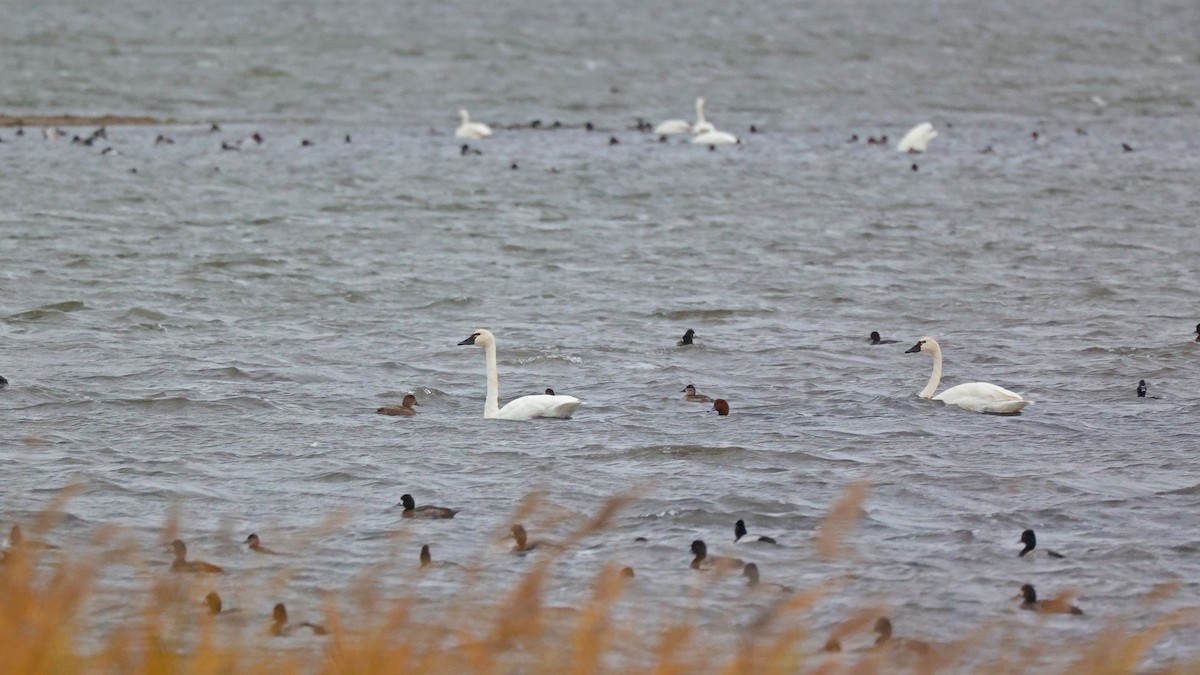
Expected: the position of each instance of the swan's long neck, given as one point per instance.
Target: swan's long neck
(491, 407)
(934, 379)
(464, 116)
(700, 111)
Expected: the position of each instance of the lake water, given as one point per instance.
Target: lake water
(212, 330)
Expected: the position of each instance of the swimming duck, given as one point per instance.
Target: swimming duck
(425, 511)
(1052, 606)
(1030, 541)
(404, 409)
(750, 571)
(213, 602)
(883, 626)
(689, 394)
(721, 406)
(428, 561)
(182, 564)
(523, 544)
(741, 537)
(876, 340)
(687, 338)
(703, 561)
(1141, 389)
(255, 545)
(16, 540)
(280, 625)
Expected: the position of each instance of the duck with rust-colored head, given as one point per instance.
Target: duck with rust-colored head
(255, 544)
(721, 407)
(405, 409)
(182, 564)
(703, 561)
(1029, 600)
(281, 627)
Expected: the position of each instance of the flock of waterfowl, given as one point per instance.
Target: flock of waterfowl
(977, 396)
(982, 397)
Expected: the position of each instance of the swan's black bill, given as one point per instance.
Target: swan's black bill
(470, 340)
(915, 348)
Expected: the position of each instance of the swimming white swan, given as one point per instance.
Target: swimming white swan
(977, 396)
(917, 138)
(702, 126)
(715, 137)
(524, 408)
(673, 127)
(469, 129)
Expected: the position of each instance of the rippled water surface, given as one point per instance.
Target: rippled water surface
(214, 329)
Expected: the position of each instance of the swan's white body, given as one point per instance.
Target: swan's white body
(524, 408)
(975, 396)
(469, 129)
(917, 138)
(715, 137)
(673, 127)
(702, 126)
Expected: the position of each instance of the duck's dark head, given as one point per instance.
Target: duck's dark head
(410, 400)
(690, 389)
(252, 540)
(213, 601)
(549, 391)
(739, 529)
(1028, 594)
(279, 614)
(426, 557)
(750, 571)
(699, 549)
(721, 406)
(875, 338)
(407, 501)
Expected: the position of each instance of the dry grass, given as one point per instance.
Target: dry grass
(43, 627)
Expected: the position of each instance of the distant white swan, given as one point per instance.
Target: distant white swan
(917, 138)
(524, 408)
(715, 137)
(977, 396)
(469, 129)
(702, 126)
(673, 127)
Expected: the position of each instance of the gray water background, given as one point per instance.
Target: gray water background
(214, 330)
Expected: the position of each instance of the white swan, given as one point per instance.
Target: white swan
(715, 137)
(673, 127)
(702, 126)
(524, 408)
(917, 138)
(469, 129)
(977, 396)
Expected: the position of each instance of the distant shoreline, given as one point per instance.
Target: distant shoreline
(81, 120)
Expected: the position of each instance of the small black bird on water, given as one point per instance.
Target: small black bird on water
(1141, 390)
(687, 337)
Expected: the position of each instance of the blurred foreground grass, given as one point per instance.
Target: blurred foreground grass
(44, 628)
